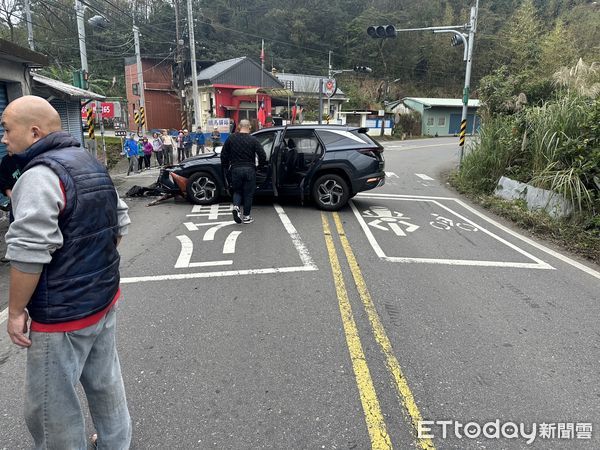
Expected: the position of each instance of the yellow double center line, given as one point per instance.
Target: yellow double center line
(374, 417)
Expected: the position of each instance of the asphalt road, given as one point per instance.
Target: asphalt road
(310, 330)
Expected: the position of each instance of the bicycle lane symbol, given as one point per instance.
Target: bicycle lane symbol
(387, 220)
(443, 223)
(396, 221)
(374, 219)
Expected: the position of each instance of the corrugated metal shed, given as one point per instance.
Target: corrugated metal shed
(65, 90)
(70, 117)
(238, 71)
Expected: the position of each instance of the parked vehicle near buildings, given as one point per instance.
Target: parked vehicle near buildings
(326, 163)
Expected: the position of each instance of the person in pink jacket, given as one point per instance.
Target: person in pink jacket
(147, 147)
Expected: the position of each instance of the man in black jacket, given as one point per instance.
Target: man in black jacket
(239, 154)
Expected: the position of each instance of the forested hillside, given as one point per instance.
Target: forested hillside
(535, 37)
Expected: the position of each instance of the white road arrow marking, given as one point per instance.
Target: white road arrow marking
(391, 175)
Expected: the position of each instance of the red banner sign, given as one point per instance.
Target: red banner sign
(108, 110)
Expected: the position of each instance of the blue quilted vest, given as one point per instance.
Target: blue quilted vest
(83, 276)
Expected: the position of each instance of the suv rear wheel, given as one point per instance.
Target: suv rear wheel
(203, 189)
(330, 192)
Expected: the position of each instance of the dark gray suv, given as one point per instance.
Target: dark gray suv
(328, 163)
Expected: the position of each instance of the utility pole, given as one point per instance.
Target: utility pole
(470, 42)
(320, 100)
(262, 63)
(196, 98)
(79, 11)
(29, 27)
(140, 75)
(180, 66)
(329, 78)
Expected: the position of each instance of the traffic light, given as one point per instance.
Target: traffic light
(382, 31)
(456, 41)
(362, 69)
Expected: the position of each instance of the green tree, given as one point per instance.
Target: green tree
(557, 49)
(521, 38)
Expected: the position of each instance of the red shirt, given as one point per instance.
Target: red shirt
(74, 325)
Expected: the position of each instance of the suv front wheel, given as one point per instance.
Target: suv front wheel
(203, 188)
(330, 192)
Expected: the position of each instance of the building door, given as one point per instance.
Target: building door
(472, 127)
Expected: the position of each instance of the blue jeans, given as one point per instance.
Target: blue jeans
(243, 183)
(56, 362)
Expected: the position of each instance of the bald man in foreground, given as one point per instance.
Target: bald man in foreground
(62, 246)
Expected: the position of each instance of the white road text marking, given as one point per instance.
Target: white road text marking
(187, 249)
(424, 177)
(229, 246)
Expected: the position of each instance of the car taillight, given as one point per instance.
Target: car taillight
(372, 152)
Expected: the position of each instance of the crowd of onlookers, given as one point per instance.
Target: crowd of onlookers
(140, 151)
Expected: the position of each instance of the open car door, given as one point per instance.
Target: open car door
(299, 153)
(265, 174)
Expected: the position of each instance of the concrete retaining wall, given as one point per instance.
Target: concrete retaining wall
(535, 198)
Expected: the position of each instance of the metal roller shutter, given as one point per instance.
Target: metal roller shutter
(70, 117)
(3, 103)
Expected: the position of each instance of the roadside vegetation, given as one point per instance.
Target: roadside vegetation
(114, 147)
(545, 134)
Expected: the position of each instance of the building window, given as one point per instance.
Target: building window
(135, 87)
(430, 121)
(442, 121)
